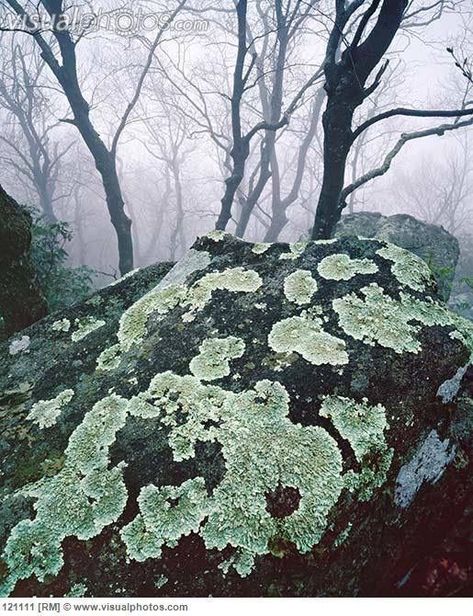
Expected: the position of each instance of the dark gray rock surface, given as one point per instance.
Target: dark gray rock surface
(438, 248)
(262, 421)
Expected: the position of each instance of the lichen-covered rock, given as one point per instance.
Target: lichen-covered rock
(265, 420)
(438, 248)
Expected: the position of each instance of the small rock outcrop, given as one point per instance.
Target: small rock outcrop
(21, 300)
(438, 248)
(266, 420)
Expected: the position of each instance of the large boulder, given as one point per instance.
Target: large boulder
(21, 299)
(270, 420)
(438, 248)
(461, 299)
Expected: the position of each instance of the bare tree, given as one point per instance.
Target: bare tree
(65, 70)
(287, 23)
(440, 192)
(241, 139)
(347, 73)
(21, 95)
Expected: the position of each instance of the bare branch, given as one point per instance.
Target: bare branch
(405, 138)
(139, 86)
(413, 113)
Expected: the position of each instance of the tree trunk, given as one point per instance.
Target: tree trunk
(278, 221)
(45, 199)
(232, 183)
(105, 163)
(255, 194)
(337, 123)
(105, 159)
(21, 300)
(345, 85)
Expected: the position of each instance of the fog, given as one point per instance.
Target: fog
(173, 153)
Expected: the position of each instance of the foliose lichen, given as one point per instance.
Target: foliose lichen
(63, 325)
(45, 413)
(85, 327)
(159, 301)
(110, 358)
(126, 276)
(83, 498)
(343, 536)
(300, 287)
(20, 345)
(77, 590)
(259, 249)
(217, 236)
(235, 280)
(172, 292)
(166, 514)
(296, 251)
(409, 269)
(278, 453)
(305, 335)
(380, 319)
(363, 426)
(213, 361)
(342, 267)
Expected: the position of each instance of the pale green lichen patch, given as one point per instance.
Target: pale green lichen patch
(380, 319)
(129, 274)
(333, 240)
(109, 359)
(342, 267)
(166, 514)
(242, 561)
(77, 590)
(64, 325)
(262, 449)
(213, 362)
(45, 413)
(296, 251)
(235, 280)
(409, 269)
(259, 249)
(363, 426)
(377, 319)
(217, 236)
(305, 335)
(300, 287)
(85, 327)
(158, 301)
(83, 498)
(172, 292)
(343, 536)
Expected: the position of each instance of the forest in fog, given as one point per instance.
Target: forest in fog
(163, 87)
